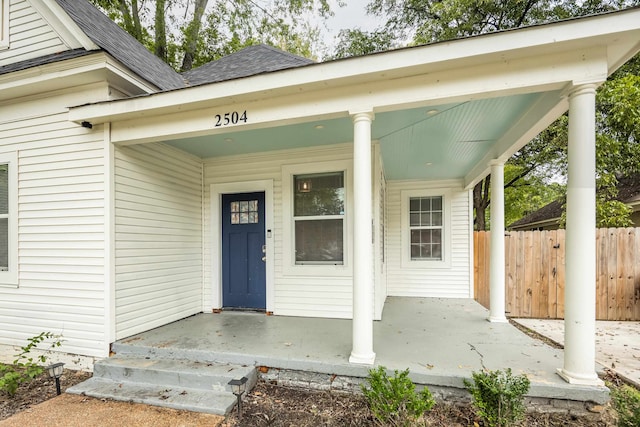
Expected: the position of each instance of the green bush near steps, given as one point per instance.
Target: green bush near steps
(25, 367)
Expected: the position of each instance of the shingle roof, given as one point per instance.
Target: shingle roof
(548, 212)
(250, 61)
(119, 44)
(628, 192)
(42, 60)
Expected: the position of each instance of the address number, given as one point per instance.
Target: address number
(232, 118)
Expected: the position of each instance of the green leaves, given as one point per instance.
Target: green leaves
(393, 400)
(626, 401)
(498, 396)
(24, 367)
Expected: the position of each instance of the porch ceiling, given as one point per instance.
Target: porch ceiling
(433, 143)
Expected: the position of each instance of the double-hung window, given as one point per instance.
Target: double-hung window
(426, 228)
(8, 219)
(319, 218)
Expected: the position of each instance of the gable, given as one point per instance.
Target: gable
(27, 33)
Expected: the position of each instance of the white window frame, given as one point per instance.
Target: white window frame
(4, 24)
(409, 263)
(290, 267)
(10, 277)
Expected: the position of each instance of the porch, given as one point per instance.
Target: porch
(441, 341)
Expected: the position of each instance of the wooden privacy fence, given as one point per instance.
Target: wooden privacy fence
(535, 273)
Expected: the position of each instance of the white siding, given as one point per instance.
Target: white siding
(158, 242)
(452, 281)
(30, 36)
(312, 296)
(61, 203)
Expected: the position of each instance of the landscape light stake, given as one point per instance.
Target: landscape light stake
(238, 387)
(55, 371)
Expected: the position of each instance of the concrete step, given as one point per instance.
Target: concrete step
(172, 383)
(183, 398)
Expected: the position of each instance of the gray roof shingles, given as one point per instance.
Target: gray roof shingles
(628, 192)
(42, 60)
(119, 44)
(109, 37)
(250, 61)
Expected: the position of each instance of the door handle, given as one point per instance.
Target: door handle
(264, 249)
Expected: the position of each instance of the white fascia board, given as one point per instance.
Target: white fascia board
(53, 76)
(526, 75)
(585, 33)
(63, 25)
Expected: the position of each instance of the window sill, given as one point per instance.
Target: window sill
(425, 265)
(317, 270)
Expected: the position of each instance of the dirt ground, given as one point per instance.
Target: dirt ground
(266, 405)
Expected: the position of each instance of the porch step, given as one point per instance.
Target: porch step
(172, 383)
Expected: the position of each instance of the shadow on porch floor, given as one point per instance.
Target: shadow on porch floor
(441, 341)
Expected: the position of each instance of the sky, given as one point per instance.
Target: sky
(353, 15)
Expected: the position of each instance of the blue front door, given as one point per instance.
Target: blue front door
(243, 254)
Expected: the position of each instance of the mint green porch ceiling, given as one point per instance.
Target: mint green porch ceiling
(436, 142)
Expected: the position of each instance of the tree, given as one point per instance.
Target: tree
(189, 34)
(357, 42)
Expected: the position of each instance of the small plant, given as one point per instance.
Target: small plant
(393, 400)
(25, 367)
(498, 396)
(626, 401)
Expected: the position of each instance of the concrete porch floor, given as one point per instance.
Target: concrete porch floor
(441, 341)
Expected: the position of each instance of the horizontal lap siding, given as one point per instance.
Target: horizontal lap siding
(29, 35)
(61, 204)
(436, 282)
(294, 295)
(158, 246)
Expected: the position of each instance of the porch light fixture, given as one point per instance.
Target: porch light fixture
(304, 186)
(318, 127)
(228, 140)
(432, 112)
(55, 371)
(238, 387)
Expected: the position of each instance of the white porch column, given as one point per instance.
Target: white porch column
(496, 268)
(362, 350)
(580, 288)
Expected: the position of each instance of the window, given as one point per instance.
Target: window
(4, 24)
(8, 219)
(244, 212)
(425, 222)
(316, 219)
(318, 215)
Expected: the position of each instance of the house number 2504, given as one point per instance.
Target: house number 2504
(231, 118)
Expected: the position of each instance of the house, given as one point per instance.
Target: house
(548, 216)
(138, 196)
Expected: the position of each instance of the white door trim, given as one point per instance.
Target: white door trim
(217, 190)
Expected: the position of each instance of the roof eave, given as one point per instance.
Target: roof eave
(619, 32)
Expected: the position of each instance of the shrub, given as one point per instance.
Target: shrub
(24, 367)
(393, 400)
(626, 401)
(498, 396)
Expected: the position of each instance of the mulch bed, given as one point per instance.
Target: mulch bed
(37, 391)
(274, 405)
